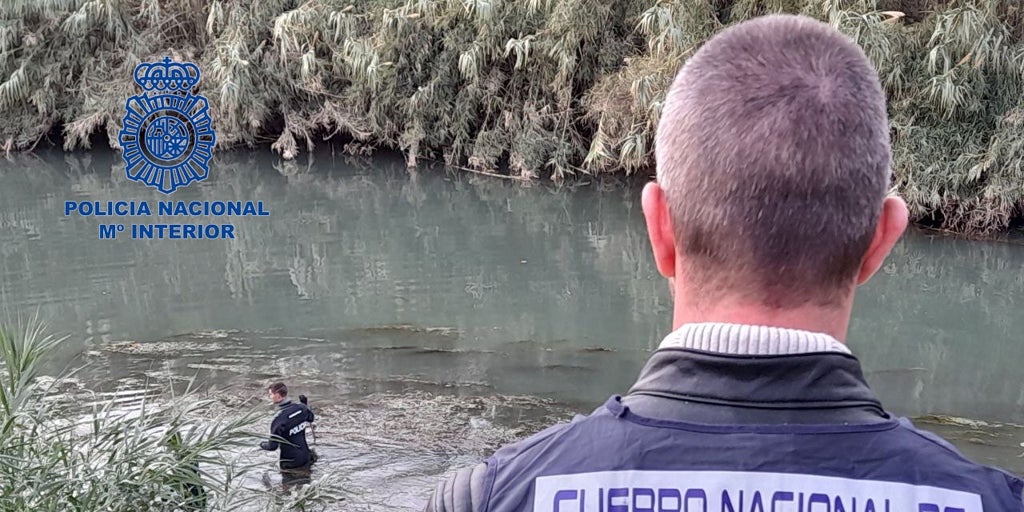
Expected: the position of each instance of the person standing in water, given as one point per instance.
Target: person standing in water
(288, 434)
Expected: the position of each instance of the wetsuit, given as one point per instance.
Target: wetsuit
(290, 424)
(731, 417)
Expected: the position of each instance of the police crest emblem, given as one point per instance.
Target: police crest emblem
(166, 135)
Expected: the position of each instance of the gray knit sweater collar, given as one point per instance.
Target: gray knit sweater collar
(739, 339)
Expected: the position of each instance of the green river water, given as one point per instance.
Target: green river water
(431, 317)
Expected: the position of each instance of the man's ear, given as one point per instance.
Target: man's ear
(891, 225)
(659, 228)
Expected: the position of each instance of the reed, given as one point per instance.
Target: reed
(175, 454)
(541, 88)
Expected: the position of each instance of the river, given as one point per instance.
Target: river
(433, 316)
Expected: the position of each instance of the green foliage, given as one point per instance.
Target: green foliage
(550, 88)
(56, 455)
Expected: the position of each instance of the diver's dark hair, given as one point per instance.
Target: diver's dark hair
(279, 388)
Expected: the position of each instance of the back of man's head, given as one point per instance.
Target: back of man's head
(773, 154)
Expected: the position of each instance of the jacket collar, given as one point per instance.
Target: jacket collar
(816, 380)
(725, 338)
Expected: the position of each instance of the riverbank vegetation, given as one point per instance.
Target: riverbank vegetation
(542, 88)
(174, 454)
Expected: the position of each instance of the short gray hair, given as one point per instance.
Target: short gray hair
(773, 151)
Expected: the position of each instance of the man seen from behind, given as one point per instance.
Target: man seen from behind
(770, 208)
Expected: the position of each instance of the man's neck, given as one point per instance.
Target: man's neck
(833, 321)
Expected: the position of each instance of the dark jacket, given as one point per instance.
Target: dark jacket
(290, 424)
(710, 431)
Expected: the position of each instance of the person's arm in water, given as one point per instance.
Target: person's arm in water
(461, 491)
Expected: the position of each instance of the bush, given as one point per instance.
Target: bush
(551, 88)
